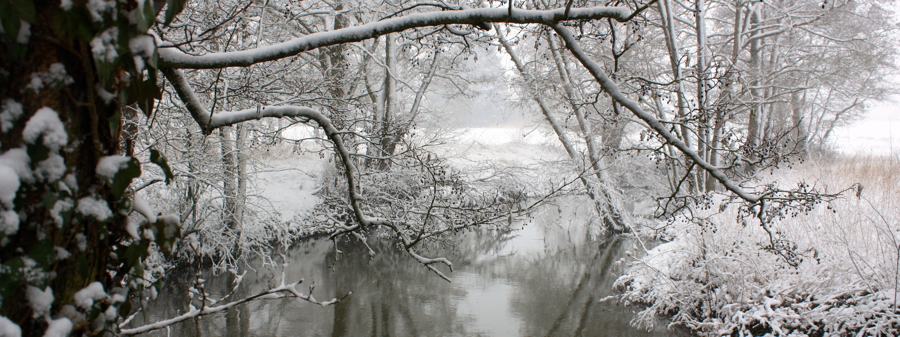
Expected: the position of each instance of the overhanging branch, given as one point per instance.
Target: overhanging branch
(612, 89)
(173, 58)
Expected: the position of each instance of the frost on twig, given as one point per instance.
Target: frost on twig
(282, 291)
(208, 122)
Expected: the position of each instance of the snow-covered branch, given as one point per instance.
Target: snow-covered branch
(173, 58)
(209, 122)
(282, 291)
(612, 89)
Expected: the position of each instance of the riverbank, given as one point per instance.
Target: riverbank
(719, 276)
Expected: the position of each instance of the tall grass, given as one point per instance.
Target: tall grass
(717, 278)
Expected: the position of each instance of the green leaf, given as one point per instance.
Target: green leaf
(37, 152)
(174, 8)
(167, 231)
(115, 121)
(73, 24)
(146, 17)
(134, 254)
(43, 253)
(144, 93)
(124, 176)
(50, 199)
(160, 160)
(22, 10)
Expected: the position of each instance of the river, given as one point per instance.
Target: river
(544, 277)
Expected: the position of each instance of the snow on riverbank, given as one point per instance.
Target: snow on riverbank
(717, 278)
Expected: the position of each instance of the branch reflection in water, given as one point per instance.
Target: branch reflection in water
(545, 277)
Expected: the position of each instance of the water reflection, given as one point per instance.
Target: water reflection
(545, 278)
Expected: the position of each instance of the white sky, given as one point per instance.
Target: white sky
(877, 133)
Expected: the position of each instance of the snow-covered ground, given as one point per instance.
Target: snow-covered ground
(289, 182)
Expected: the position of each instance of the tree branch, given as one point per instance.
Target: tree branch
(612, 89)
(173, 58)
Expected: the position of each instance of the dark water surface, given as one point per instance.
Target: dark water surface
(545, 278)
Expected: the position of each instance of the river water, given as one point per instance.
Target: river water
(544, 277)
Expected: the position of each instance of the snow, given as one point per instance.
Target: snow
(71, 181)
(85, 298)
(18, 160)
(9, 222)
(60, 206)
(36, 83)
(24, 32)
(141, 206)
(132, 228)
(108, 166)
(62, 253)
(50, 169)
(9, 185)
(40, 300)
(10, 111)
(290, 184)
(60, 327)
(81, 241)
(65, 4)
(142, 47)
(46, 122)
(55, 75)
(104, 45)
(8, 328)
(98, 7)
(98, 209)
(172, 223)
(106, 96)
(176, 59)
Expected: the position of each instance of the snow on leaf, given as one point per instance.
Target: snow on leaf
(62, 253)
(40, 300)
(8, 328)
(46, 123)
(9, 222)
(10, 111)
(54, 77)
(60, 327)
(108, 166)
(142, 206)
(81, 241)
(60, 206)
(132, 228)
(119, 171)
(18, 160)
(97, 209)
(104, 45)
(9, 185)
(50, 169)
(85, 298)
(24, 32)
(98, 7)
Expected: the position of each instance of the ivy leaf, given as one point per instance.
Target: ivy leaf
(167, 230)
(115, 121)
(144, 93)
(124, 176)
(160, 160)
(37, 151)
(20, 9)
(174, 8)
(43, 253)
(146, 17)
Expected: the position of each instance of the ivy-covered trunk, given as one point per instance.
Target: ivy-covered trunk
(66, 72)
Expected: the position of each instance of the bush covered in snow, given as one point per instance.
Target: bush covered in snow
(720, 275)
